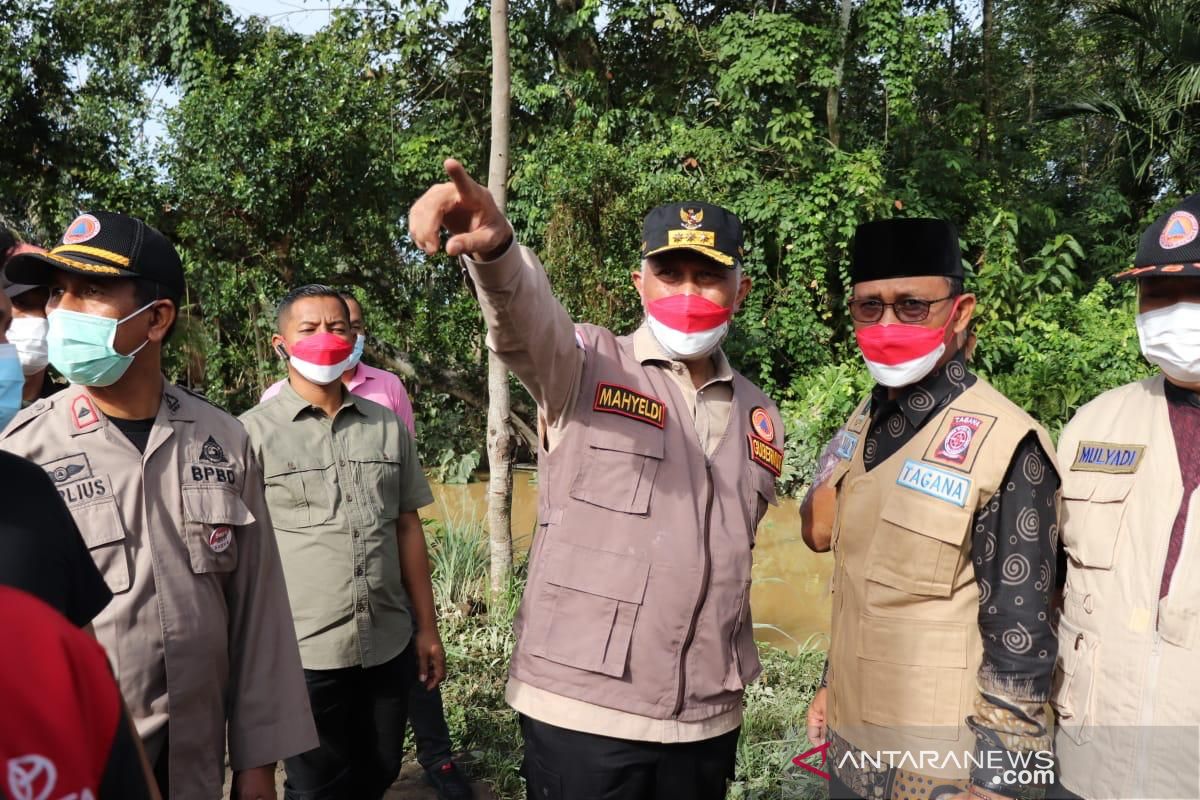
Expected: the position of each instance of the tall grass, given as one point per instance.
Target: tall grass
(479, 645)
(458, 562)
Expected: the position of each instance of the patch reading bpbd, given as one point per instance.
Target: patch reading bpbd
(765, 455)
(614, 399)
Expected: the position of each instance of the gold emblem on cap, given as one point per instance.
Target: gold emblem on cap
(691, 218)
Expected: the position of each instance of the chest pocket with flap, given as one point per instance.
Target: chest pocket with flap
(300, 488)
(104, 534)
(918, 547)
(620, 467)
(211, 518)
(1094, 510)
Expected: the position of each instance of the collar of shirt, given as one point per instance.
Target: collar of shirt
(647, 349)
(295, 405)
(940, 385)
(361, 375)
(1178, 396)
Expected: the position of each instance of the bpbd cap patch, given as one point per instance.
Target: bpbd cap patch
(83, 228)
(1181, 228)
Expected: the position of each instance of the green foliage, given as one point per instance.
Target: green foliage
(458, 562)
(294, 158)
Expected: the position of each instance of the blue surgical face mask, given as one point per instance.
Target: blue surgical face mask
(356, 356)
(12, 381)
(81, 346)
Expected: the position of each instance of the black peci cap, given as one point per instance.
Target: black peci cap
(905, 248)
(102, 244)
(703, 228)
(1170, 247)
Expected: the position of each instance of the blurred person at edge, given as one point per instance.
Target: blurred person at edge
(1125, 695)
(28, 329)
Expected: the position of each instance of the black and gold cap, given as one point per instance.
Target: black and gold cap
(703, 228)
(101, 244)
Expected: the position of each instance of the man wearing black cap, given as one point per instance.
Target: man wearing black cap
(941, 647)
(1126, 695)
(170, 504)
(634, 639)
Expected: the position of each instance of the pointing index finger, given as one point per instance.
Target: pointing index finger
(464, 183)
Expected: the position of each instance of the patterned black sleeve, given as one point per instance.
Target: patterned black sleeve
(1013, 546)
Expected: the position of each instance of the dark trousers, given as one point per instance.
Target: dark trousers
(562, 764)
(360, 714)
(428, 720)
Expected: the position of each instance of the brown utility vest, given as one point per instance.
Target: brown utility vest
(639, 581)
(1127, 678)
(905, 643)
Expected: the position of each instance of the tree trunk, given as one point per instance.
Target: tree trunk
(989, 33)
(833, 95)
(500, 440)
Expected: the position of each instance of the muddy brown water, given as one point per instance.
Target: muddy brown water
(790, 595)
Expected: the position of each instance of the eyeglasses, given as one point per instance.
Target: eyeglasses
(910, 309)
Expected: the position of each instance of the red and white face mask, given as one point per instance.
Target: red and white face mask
(322, 357)
(687, 325)
(901, 354)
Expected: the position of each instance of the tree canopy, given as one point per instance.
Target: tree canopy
(1050, 132)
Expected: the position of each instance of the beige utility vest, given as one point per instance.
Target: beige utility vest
(639, 580)
(1127, 687)
(905, 645)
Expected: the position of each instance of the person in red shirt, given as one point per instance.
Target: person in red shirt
(63, 733)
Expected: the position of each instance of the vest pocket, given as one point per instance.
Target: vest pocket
(918, 545)
(100, 526)
(618, 473)
(210, 519)
(587, 607)
(745, 666)
(1094, 505)
(1073, 681)
(912, 673)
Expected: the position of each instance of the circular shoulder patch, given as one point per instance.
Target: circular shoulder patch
(84, 227)
(1181, 228)
(760, 420)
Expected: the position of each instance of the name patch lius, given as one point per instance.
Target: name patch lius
(765, 455)
(614, 399)
(1108, 457)
(935, 482)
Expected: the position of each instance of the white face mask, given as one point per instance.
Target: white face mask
(1170, 339)
(907, 373)
(680, 346)
(29, 335)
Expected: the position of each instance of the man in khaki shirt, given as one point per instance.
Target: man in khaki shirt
(634, 638)
(344, 484)
(169, 500)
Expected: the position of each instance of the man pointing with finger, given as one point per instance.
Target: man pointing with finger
(657, 461)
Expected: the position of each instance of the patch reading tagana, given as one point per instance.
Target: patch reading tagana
(959, 439)
(765, 455)
(1118, 459)
(935, 482)
(614, 399)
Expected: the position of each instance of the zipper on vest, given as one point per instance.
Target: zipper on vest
(691, 634)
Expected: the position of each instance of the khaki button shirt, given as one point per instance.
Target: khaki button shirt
(335, 489)
(198, 629)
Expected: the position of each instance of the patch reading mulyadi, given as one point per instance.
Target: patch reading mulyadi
(612, 398)
(1117, 459)
(935, 482)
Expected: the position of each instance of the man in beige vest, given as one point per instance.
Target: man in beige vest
(941, 647)
(1126, 687)
(657, 461)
